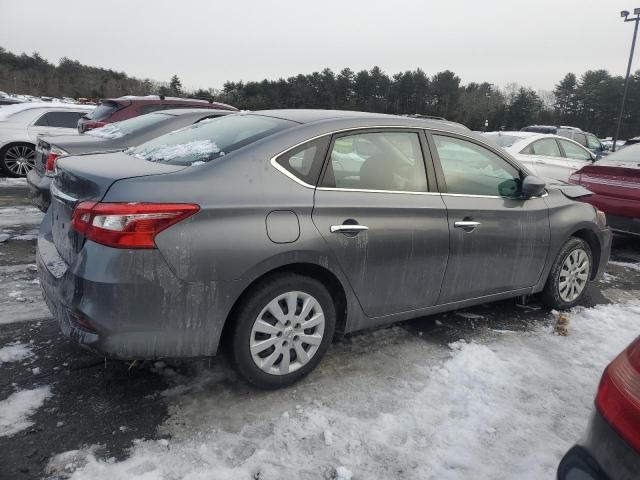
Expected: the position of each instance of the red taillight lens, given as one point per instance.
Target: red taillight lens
(618, 398)
(51, 162)
(128, 225)
(93, 124)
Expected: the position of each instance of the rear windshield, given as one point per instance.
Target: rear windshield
(126, 127)
(209, 139)
(502, 140)
(103, 111)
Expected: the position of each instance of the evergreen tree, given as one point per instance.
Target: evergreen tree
(175, 86)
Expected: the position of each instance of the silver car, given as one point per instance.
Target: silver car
(268, 232)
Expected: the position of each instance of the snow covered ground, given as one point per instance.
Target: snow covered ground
(506, 405)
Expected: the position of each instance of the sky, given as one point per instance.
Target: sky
(532, 43)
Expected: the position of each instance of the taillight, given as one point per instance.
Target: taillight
(128, 225)
(93, 124)
(52, 157)
(618, 398)
(51, 162)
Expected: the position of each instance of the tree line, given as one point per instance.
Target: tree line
(590, 101)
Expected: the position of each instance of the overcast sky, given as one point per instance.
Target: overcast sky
(531, 42)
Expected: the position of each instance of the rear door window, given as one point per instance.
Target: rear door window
(388, 161)
(59, 119)
(593, 143)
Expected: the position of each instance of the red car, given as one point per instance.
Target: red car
(615, 183)
(123, 108)
(610, 449)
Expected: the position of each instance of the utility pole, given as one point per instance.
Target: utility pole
(624, 14)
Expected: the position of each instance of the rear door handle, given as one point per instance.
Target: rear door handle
(348, 228)
(466, 224)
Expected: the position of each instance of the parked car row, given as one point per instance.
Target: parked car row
(21, 124)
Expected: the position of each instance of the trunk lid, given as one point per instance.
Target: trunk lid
(88, 178)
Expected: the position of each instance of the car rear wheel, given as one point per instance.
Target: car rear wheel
(17, 159)
(570, 275)
(282, 330)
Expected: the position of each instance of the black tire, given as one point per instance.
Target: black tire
(21, 145)
(247, 314)
(551, 295)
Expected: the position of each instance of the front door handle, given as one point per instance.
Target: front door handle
(466, 225)
(346, 228)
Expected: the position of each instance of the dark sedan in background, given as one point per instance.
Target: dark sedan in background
(110, 138)
(615, 183)
(266, 232)
(610, 450)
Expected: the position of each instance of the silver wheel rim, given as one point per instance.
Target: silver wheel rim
(287, 333)
(574, 275)
(19, 159)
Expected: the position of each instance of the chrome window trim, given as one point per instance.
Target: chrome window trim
(281, 169)
(364, 190)
(61, 195)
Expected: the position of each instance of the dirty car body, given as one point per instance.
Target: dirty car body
(311, 195)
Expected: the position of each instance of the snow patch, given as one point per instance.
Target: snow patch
(198, 150)
(507, 408)
(16, 410)
(15, 352)
(110, 131)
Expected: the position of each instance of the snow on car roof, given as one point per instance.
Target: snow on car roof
(10, 110)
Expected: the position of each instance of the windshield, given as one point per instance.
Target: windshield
(502, 140)
(629, 154)
(126, 127)
(209, 140)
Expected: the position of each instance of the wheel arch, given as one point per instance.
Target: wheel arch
(318, 272)
(591, 238)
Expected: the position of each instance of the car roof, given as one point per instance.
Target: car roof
(9, 110)
(311, 116)
(184, 111)
(516, 133)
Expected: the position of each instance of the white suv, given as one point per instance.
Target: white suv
(21, 124)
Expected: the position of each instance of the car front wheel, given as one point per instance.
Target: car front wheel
(569, 276)
(282, 330)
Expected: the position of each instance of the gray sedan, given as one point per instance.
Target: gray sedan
(268, 232)
(110, 138)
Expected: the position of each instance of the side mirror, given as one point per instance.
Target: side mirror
(532, 186)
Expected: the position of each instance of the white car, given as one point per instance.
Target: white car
(20, 125)
(550, 156)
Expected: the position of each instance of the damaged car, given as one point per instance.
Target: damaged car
(266, 233)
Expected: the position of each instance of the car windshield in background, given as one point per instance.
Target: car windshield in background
(103, 111)
(502, 140)
(126, 127)
(629, 154)
(209, 140)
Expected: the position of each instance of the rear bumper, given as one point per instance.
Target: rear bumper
(39, 190)
(134, 305)
(601, 455)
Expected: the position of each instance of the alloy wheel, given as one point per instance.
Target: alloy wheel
(574, 275)
(287, 333)
(19, 159)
